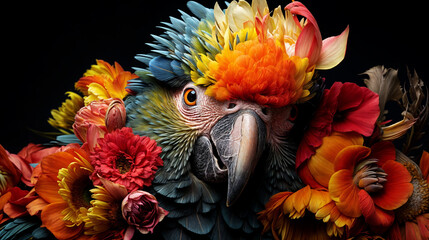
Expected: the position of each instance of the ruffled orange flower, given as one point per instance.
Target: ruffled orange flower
(104, 81)
(261, 72)
(288, 215)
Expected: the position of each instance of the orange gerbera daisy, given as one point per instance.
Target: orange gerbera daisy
(64, 185)
(104, 81)
(288, 215)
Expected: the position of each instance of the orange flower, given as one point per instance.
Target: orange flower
(360, 180)
(261, 72)
(319, 168)
(288, 215)
(104, 81)
(369, 182)
(64, 185)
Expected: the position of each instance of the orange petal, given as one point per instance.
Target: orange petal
(53, 163)
(4, 199)
(302, 199)
(424, 165)
(397, 189)
(325, 211)
(305, 175)
(36, 206)
(378, 219)
(52, 219)
(350, 156)
(345, 193)
(321, 164)
(47, 188)
(319, 198)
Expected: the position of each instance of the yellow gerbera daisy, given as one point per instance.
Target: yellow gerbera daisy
(104, 213)
(75, 187)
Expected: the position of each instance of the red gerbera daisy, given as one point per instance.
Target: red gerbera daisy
(126, 159)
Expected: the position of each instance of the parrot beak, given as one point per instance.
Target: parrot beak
(239, 139)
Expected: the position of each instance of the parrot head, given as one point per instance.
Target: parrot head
(219, 95)
(217, 141)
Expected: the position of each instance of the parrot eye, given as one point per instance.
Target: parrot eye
(190, 97)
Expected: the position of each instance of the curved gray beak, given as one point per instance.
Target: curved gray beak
(240, 140)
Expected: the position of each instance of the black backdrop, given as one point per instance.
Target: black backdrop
(47, 47)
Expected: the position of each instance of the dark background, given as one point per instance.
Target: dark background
(47, 47)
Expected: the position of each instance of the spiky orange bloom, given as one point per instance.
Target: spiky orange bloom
(104, 81)
(261, 72)
(288, 214)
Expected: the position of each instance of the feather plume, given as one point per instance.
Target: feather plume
(416, 103)
(386, 84)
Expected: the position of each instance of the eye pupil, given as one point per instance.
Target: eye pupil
(190, 97)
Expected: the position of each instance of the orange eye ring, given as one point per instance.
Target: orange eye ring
(190, 97)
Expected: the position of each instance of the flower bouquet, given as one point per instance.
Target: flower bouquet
(229, 131)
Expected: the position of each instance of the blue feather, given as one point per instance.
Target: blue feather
(161, 68)
(177, 68)
(198, 10)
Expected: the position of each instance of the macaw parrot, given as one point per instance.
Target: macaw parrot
(229, 95)
(222, 159)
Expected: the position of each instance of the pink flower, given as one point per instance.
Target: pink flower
(141, 211)
(345, 107)
(93, 114)
(97, 119)
(126, 159)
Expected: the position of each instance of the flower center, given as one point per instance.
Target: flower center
(122, 163)
(369, 176)
(80, 194)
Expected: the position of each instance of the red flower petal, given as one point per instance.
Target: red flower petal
(359, 110)
(397, 189)
(378, 219)
(383, 151)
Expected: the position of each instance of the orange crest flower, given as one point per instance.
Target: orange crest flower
(104, 81)
(261, 72)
